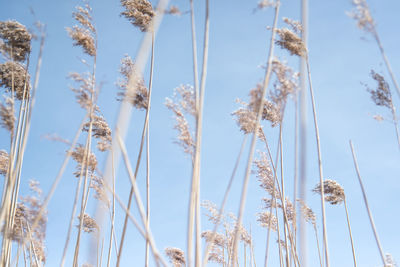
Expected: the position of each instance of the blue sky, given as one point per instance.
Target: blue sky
(341, 57)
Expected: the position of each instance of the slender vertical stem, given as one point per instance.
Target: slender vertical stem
(321, 176)
(303, 135)
(318, 246)
(371, 219)
(351, 236)
(148, 157)
(139, 157)
(254, 137)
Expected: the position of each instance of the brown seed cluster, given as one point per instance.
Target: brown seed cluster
(290, 41)
(334, 193)
(267, 220)
(16, 40)
(176, 256)
(14, 77)
(4, 159)
(362, 15)
(100, 131)
(7, 116)
(79, 155)
(265, 175)
(84, 35)
(308, 213)
(139, 12)
(89, 225)
(138, 96)
(84, 89)
(381, 95)
(27, 211)
(182, 104)
(286, 83)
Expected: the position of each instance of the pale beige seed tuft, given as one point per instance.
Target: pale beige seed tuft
(334, 193)
(4, 159)
(267, 220)
(16, 40)
(100, 131)
(362, 15)
(6, 115)
(139, 12)
(291, 42)
(84, 35)
(176, 256)
(138, 95)
(79, 155)
(13, 76)
(89, 225)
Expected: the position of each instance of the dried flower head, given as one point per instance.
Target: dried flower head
(333, 191)
(81, 156)
(218, 240)
(89, 225)
(4, 159)
(27, 211)
(262, 4)
(216, 255)
(16, 40)
(138, 95)
(294, 24)
(97, 183)
(173, 10)
(389, 261)
(176, 256)
(84, 35)
(101, 131)
(181, 104)
(7, 115)
(362, 15)
(286, 83)
(14, 76)
(267, 220)
(84, 89)
(265, 174)
(291, 42)
(271, 111)
(139, 12)
(307, 212)
(289, 208)
(381, 95)
(213, 213)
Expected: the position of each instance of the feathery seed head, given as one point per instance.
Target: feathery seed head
(6, 115)
(333, 191)
(79, 155)
(362, 15)
(84, 35)
(138, 95)
(4, 159)
(381, 95)
(291, 42)
(181, 104)
(101, 131)
(307, 212)
(16, 40)
(14, 76)
(173, 10)
(219, 239)
(89, 225)
(139, 12)
(267, 220)
(265, 174)
(84, 89)
(176, 256)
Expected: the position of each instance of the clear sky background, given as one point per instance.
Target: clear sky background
(341, 57)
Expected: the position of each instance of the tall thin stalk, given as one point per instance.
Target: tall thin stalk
(139, 157)
(351, 236)
(371, 219)
(254, 137)
(321, 177)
